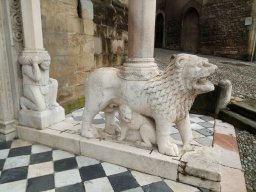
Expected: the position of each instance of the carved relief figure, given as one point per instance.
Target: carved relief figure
(133, 121)
(167, 97)
(39, 91)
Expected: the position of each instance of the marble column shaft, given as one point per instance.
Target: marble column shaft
(140, 65)
(141, 26)
(7, 116)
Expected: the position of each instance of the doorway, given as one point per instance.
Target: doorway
(190, 31)
(159, 31)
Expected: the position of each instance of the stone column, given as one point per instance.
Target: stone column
(7, 116)
(141, 30)
(39, 108)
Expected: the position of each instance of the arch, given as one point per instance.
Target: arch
(160, 29)
(190, 31)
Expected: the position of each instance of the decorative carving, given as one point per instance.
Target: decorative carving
(16, 20)
(39, 91)
(167, 98)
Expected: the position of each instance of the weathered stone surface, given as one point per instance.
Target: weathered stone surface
(195, 181)
(203, 163)
(68, 30)
(43, 119)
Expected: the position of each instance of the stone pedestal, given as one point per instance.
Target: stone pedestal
(41, 120)
(39, 108)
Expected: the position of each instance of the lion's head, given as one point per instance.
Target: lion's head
(194, 73)
(172, 91)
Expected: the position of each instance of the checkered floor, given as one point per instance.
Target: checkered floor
(33, 167)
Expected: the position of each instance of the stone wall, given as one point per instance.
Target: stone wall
(68, 31)
(223, 30)
(111, 36)
(221, 24)
(81, 35)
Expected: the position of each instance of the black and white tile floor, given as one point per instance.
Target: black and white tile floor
(202, 127)
(32, 167)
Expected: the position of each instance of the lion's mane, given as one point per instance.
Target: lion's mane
(167, 94)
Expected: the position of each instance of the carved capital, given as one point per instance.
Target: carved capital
(28, 56)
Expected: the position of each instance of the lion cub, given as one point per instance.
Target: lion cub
(130, 120)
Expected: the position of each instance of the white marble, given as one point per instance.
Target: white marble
(195, 126)
(85, 161)
(53, 138)
(145, 179)
(8, 71)
(40, 169)
(43, 119)
(208, 184)
(111, 169)
(100, 184)
(161, 98)
(36, 148)
(14, 186)
(126, 156)
(20, 143)
(39, 108)
(68, 177)
(59, 154)
(203, 163)
(180, 187)
(18, 161)
(4, 153)
(196, 119)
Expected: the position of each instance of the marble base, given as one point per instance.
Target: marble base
(199, 168)
(41, 120)
(7, 130)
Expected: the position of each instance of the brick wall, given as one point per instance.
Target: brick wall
(223, 31)
(221, 24)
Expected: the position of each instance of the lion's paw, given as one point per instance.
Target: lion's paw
(170, 149)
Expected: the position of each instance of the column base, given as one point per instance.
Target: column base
(139, 69)
(7, 130)
(41, 119)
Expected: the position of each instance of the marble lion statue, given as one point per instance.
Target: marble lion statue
(166, 98)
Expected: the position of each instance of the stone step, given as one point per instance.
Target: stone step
(244, 108)
(200, 168)
(238, 120)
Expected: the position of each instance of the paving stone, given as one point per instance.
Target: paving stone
(205, 132)
(205, 141)
(206, 124)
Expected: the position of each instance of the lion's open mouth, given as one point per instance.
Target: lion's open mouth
(203, 84)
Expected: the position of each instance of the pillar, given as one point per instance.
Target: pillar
(7, 116)
(141, 30)
(39, 108)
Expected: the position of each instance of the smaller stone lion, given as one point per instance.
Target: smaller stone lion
(132, 121)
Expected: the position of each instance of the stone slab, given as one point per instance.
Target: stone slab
(195, 181)
(233, 180)
(151, 162)
(52, 138)
(43, 119)
(131, 157)
(202, 163)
